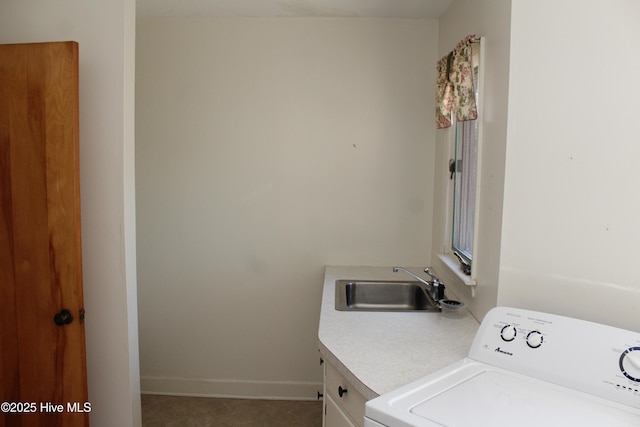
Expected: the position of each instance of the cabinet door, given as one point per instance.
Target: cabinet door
(334, 417)
(42, 344)
(349, 400)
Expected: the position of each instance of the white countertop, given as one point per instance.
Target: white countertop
(380, 351)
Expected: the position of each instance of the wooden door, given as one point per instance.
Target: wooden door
(42, 349)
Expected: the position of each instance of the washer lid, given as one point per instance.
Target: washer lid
(494, 398)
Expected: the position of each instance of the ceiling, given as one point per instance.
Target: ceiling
(422, 9)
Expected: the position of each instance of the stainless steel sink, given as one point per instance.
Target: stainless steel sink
(372, 295)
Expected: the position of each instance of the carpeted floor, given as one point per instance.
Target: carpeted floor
(169, 411)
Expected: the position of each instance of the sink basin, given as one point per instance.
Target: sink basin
(372, 295)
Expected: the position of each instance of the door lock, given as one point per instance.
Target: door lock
(454, 166)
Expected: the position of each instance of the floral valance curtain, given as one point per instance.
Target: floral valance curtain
(454, 91)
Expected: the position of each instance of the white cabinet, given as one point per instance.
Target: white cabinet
(344, 405)
(333, 415)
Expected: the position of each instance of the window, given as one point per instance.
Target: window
(463, 168)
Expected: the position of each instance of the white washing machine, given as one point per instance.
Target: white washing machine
(526, 368)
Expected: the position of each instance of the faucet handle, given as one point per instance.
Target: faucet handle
(436, 283)
(433, 276)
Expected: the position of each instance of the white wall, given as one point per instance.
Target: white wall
(266, 149)
(570, 226)
(105, 33)
(490, 19)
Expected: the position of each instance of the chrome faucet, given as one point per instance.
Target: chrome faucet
(435, 287)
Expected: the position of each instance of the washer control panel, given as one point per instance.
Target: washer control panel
(534, 338)
(585, 356)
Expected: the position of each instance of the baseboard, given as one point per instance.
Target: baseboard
(275, 390)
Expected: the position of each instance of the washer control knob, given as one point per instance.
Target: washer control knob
(630, 363)
(534, 339)
(508, 333)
